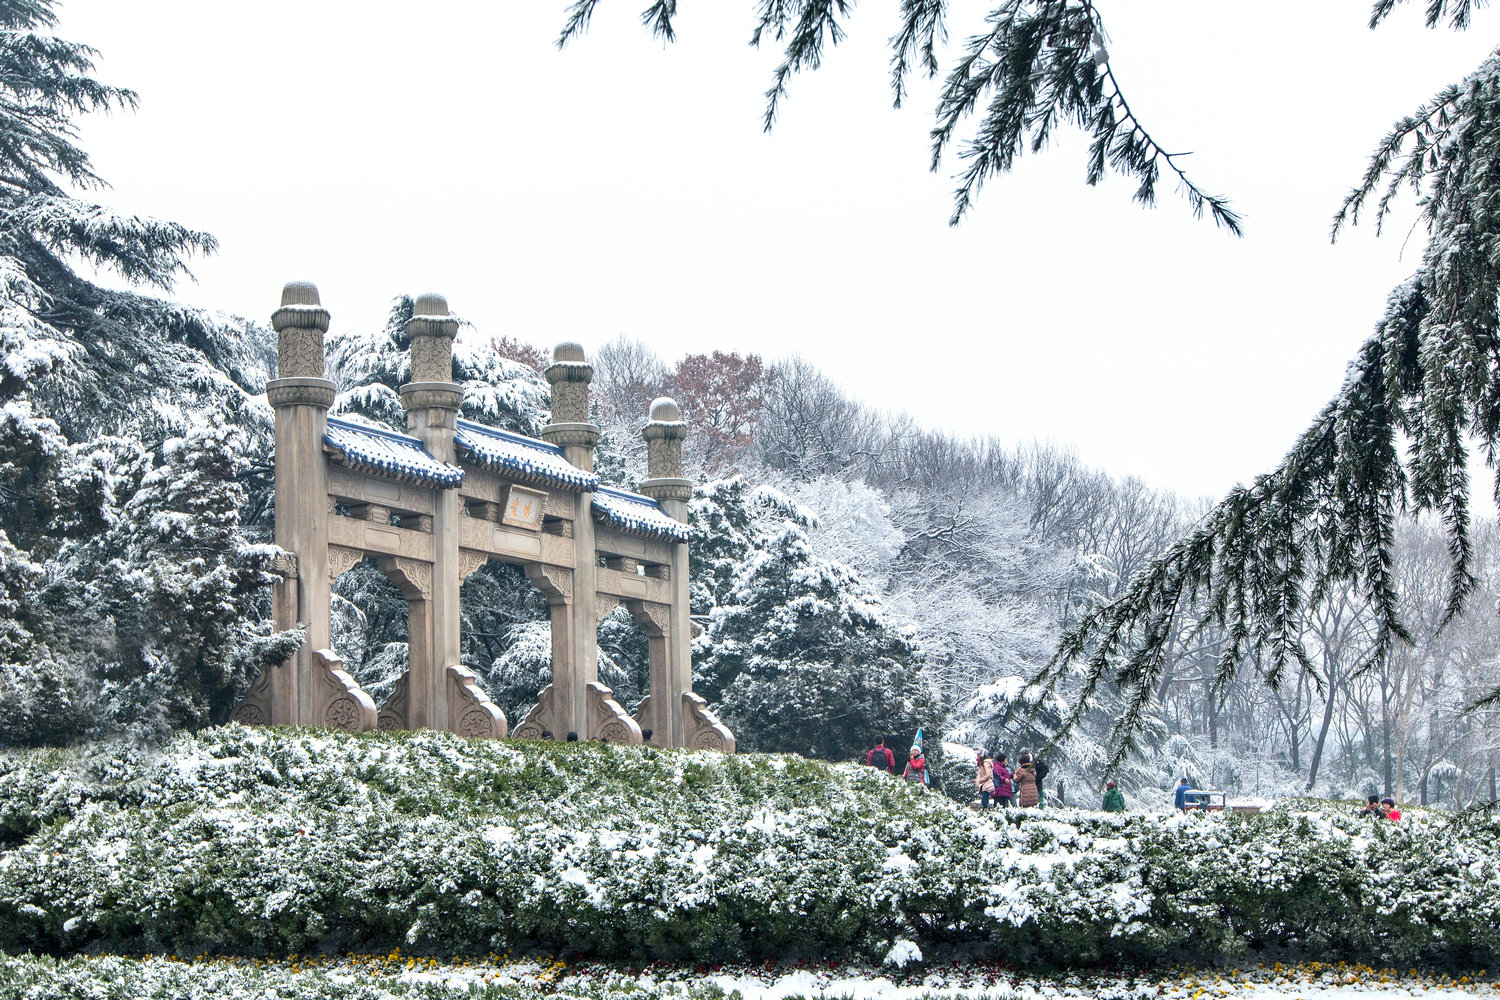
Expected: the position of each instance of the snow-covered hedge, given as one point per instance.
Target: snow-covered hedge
(265, 841)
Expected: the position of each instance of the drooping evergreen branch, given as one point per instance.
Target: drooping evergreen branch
(1325, 519)
(816, 24)
(1458, 11)
(1041, 64)
(922, 31)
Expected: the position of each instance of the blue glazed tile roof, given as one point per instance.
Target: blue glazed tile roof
(521, 458)
(635, 513)
(386, 453)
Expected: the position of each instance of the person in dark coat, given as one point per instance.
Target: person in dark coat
(1114, 799)
(1041, 772)
(1186, 797)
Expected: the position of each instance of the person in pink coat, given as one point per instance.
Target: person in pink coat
(1004, 782)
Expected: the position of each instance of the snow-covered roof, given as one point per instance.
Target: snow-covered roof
(635, 513)
(386, 453)
(522, 458)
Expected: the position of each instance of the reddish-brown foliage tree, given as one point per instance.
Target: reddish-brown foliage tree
(721, 395)
(519, 351)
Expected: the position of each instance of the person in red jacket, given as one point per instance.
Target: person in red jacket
(1388, 807)
(880, 757)
(916, 767)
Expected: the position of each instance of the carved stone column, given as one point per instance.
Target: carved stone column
(560, 702)
(664, 432)
(432, 400)
(655, 714)
(570, 429)
(301, 397)
(410, 704)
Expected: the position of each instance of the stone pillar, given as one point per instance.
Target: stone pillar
(569, 375)
(301, 396)
(432, 400)
(559, 706)
(664, 432)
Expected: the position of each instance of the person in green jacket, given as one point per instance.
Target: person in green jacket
(1114, 799)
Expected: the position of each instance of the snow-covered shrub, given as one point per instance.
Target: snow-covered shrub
(282, 841)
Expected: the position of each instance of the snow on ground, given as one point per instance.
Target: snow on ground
(396, 976)
(833, 981)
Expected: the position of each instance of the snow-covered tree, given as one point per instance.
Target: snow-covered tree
(134, 601)
(799, 654)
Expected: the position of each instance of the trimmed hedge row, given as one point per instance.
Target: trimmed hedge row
(258, 841)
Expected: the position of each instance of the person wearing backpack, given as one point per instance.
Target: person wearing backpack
(984, 780)
(881, 758)
(1004, 783)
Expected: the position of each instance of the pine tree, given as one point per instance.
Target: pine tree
(134, 599)
(97, 359)
(799, 654)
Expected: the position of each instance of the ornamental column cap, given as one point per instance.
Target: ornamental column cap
(430, 317)
(664, 432)
(301, 308)
(431, 331)
(664, 421)
(569, 375)
(569, 364)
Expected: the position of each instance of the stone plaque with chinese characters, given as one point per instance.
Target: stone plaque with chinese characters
(523, 508)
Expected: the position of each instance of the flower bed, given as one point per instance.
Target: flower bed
(273, 842)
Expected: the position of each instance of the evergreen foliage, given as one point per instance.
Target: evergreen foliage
(1039, 65)
(1250, 577)
(799, 653)
(1394, 441)
(134, 596)
(282, 841)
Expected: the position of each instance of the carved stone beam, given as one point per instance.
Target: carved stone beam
(469, 562)
(285, 565)
(411, 576)
(654, 619)
(554, 583)
(341, 560)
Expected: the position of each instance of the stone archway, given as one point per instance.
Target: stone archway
(434, 504)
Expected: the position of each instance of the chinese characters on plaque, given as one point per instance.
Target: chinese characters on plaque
(523, 507)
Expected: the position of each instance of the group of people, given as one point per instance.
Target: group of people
(1378, 808)
(882, 759)
(998, 785)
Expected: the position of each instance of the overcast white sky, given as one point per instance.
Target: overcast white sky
(623, 186)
